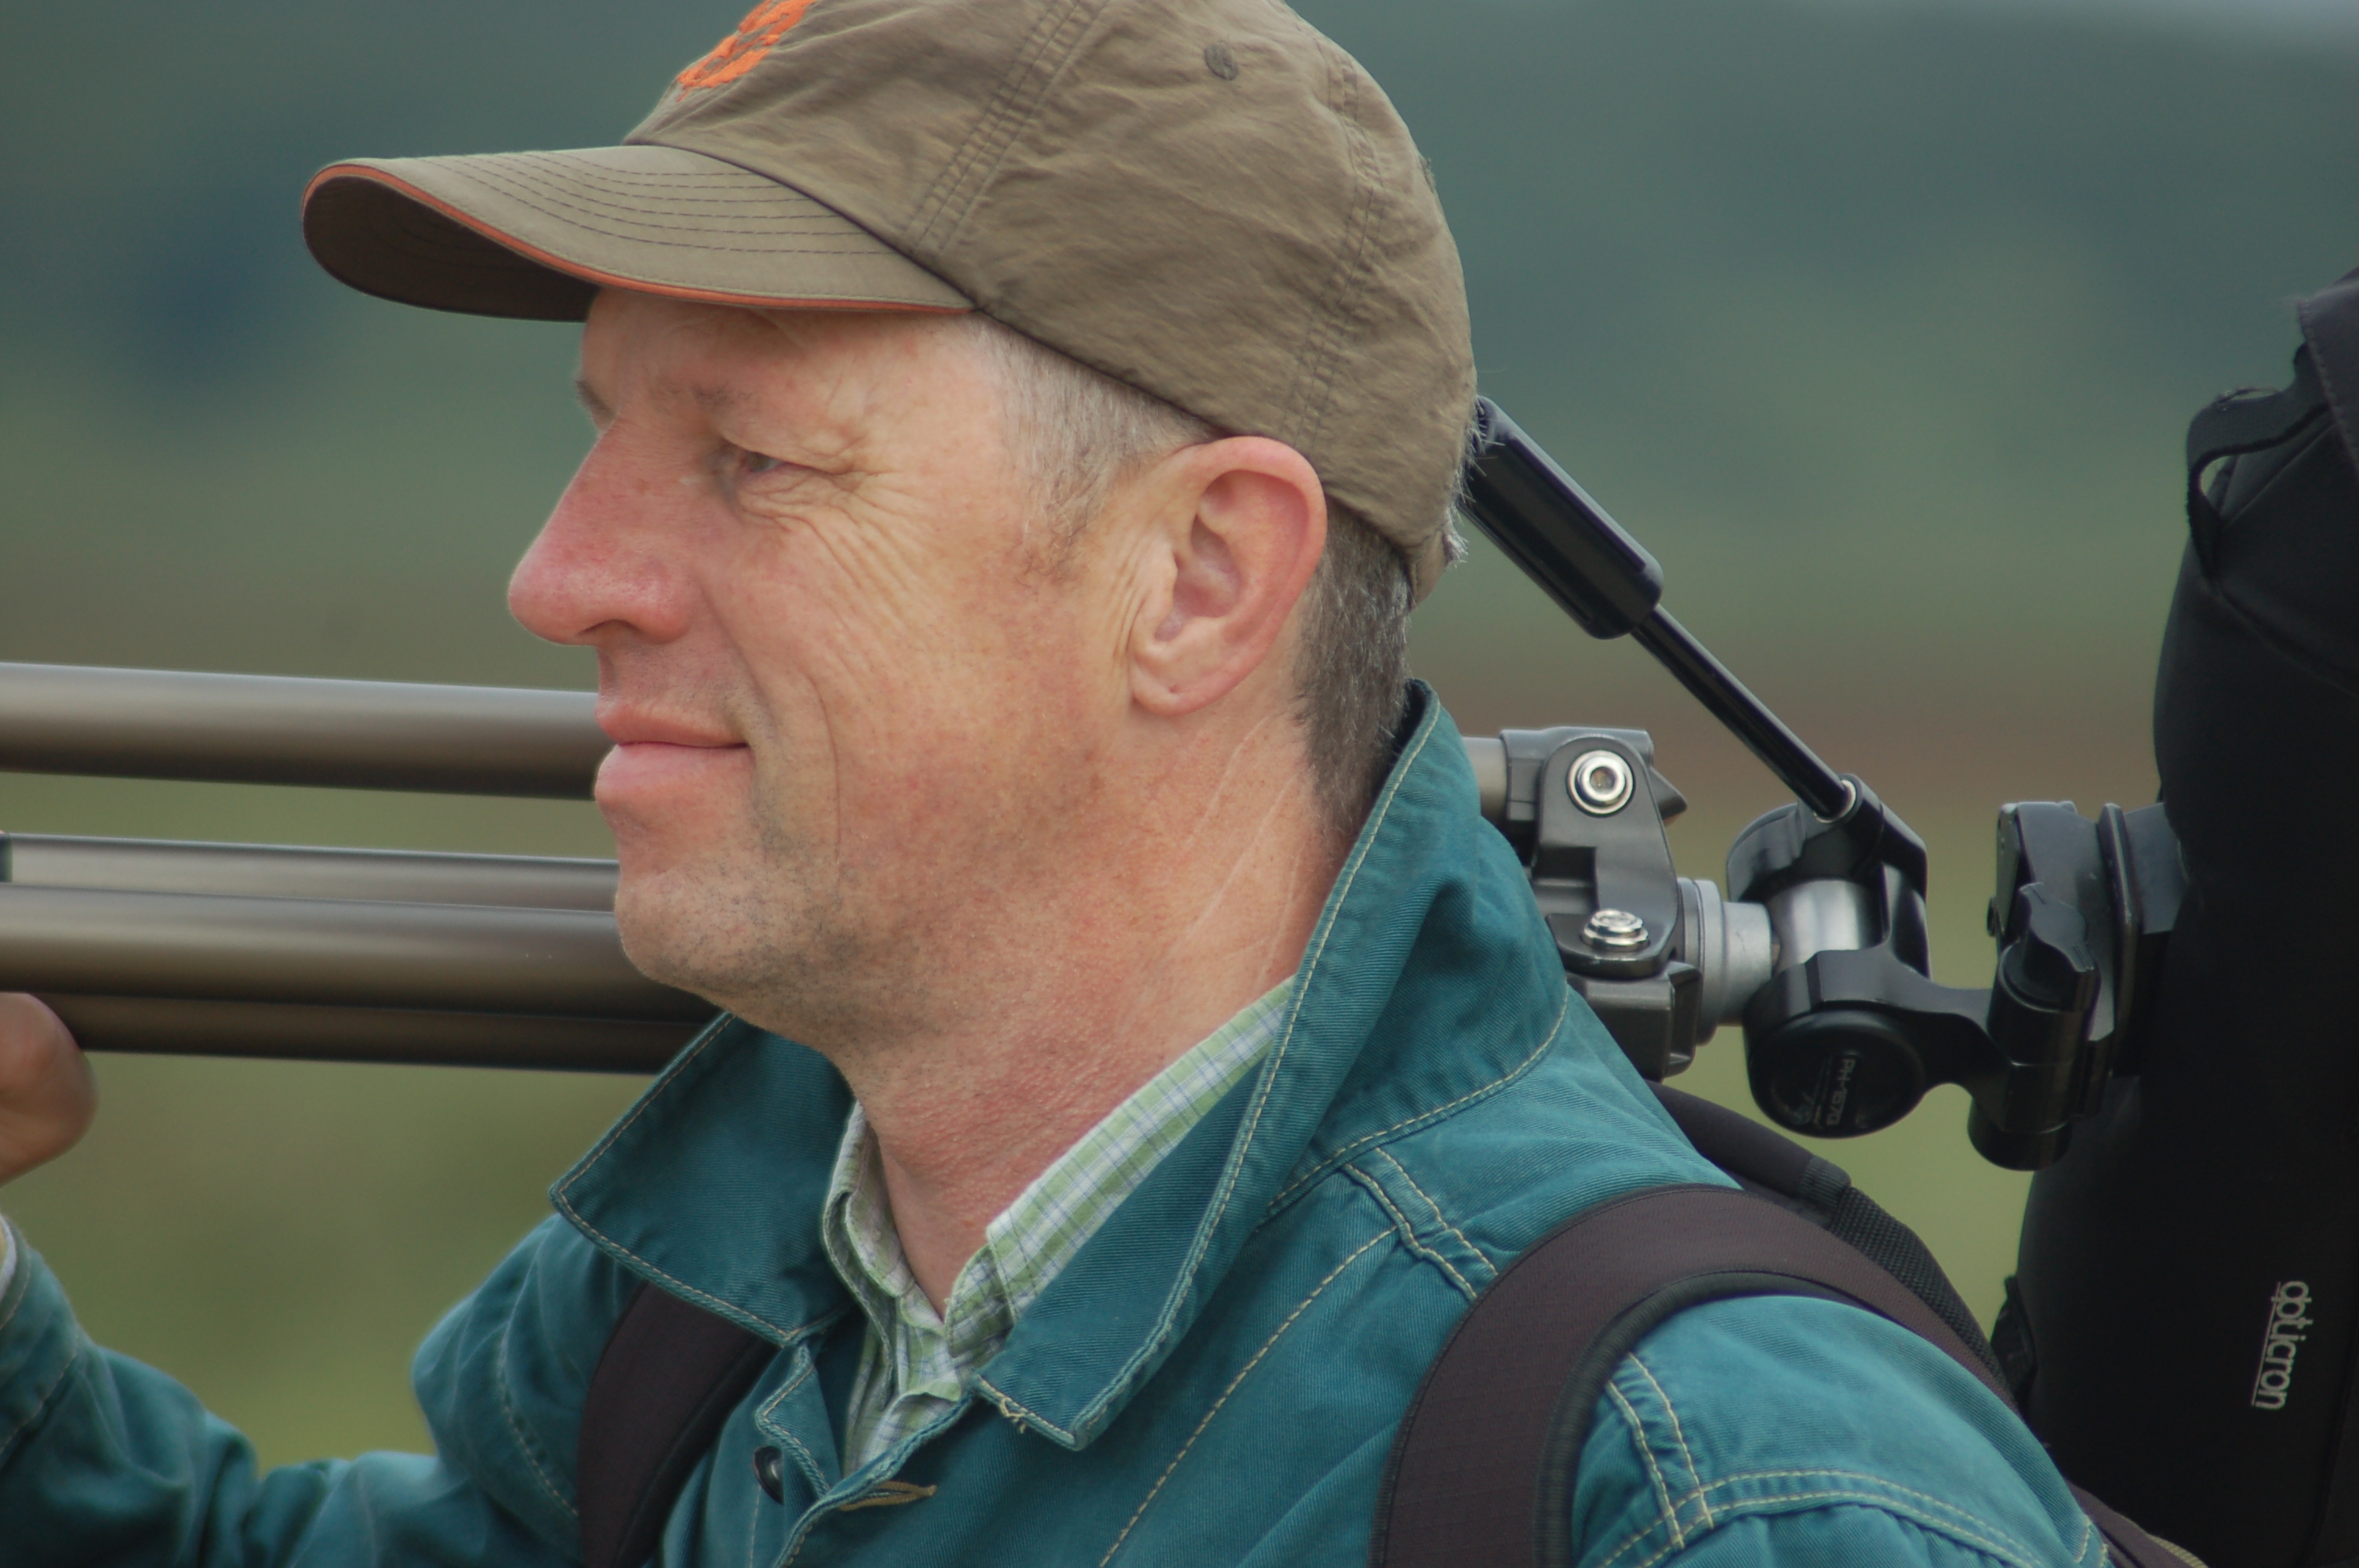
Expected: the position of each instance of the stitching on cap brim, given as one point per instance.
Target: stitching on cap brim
(573, 208)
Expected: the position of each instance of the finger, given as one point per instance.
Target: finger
(48, 1094)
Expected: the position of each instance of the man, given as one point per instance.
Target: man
(1023, 428)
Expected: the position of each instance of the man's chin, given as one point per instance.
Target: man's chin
(704, 935)
(814, 989)
(671, 938)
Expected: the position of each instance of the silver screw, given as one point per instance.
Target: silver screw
(1616, 930)
(1600, 782)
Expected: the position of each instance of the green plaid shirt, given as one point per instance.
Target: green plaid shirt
(916, 1362)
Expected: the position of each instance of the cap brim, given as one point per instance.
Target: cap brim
(536, 235)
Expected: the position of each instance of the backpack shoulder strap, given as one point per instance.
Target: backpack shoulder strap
(1481, 1470)
(1770, 1165)
(2235, 424)
(2325, 381)
(668, 1377)
(2330, 327)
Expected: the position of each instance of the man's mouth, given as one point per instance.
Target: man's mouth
(653, 756)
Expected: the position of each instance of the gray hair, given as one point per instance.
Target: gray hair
(1080, 432)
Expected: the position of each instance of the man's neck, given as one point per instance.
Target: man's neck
(1166, 923)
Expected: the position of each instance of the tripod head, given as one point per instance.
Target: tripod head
(1820, 944)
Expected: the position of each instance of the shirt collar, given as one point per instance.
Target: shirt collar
(1026, 1246)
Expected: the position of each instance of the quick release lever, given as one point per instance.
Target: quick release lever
(1607, 582)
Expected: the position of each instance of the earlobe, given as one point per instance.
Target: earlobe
(1243, 522)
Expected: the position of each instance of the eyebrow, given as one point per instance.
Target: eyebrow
(718, 401)
(591, 404)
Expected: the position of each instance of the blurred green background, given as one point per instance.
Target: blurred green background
(1880, 324)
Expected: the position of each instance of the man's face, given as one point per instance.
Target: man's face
(849, 704)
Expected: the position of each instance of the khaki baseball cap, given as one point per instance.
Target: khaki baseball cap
(1205, 199)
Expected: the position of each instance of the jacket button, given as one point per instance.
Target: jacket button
(767, 1472)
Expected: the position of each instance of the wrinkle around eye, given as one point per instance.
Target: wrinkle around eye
(766, 486)
(748, 475)
(783, 493)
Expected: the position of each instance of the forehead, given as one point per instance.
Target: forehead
(723, 357)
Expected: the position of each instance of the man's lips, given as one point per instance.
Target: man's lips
(651, 755)
(626, 725)
(642, 768)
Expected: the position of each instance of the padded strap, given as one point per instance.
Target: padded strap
(668, 1377)
(1483, 1469)
(1770, 1165)
(2238, 422)
(2325, 380)
(2329, 324)
(1763, 1162)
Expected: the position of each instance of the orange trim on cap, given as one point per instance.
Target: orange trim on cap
(744, 50)
(592, 275)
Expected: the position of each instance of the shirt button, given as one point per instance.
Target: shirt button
(767, 1472)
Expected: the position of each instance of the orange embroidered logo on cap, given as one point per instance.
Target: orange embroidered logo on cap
(744, 50)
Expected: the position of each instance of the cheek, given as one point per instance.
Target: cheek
(911, 701)
(885, 635)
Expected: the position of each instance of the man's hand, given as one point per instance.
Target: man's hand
(47, 1096)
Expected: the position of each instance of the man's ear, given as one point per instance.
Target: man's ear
(1239, 528)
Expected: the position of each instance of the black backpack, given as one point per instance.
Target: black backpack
(2183, 1328)
(1481, 1471)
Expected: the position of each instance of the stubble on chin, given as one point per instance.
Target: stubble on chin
(757, 939)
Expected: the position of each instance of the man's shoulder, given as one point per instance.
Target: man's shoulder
(1761, 1422)
(1576, 1128)
(501, 1378)
(1769, 1416)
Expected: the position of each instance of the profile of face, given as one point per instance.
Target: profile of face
(837, 679)
(860, 713)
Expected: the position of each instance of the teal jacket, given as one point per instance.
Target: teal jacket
(1216, 1377)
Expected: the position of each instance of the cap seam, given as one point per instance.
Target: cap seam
(651, 135)
(580, 217)
(542, 200)
(648, 135)
(1312, 395)
(452, 246)
(737, 176)
(619, 195)
(919, 233)
(729, 172)
(514, 166)
(947, 202)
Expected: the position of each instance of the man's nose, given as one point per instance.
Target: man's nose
(605, 566)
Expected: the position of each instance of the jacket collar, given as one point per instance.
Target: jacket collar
(1427, 984)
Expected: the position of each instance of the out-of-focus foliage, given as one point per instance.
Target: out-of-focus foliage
(1880, 327)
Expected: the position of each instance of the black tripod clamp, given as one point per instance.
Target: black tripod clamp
(1821, 945)
(1851, 1031)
